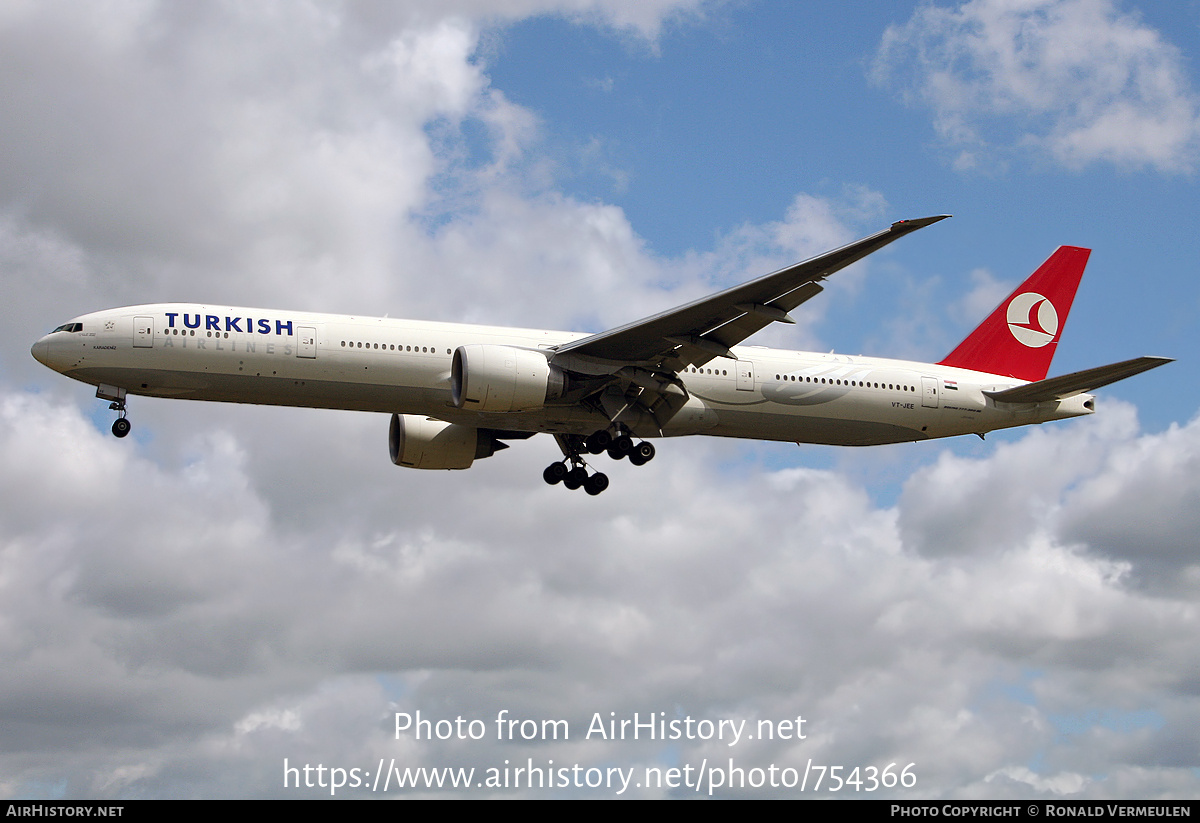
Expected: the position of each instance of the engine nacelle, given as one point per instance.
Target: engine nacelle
(418, 442)
(503, 379)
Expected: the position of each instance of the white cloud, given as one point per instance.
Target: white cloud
(1143, 507)
(954, 506)
(220, 635)
(1076, 80)
(1060, 784)
(985, 294)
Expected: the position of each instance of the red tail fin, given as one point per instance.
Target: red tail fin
(1019, 338)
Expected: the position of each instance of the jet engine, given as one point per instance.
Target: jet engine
(503, 379)
(419, 442)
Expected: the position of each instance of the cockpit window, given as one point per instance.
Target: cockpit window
(69, 327)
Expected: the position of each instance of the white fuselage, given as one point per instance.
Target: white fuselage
(269, 357)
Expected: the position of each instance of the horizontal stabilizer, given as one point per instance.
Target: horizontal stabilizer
(1069, 385)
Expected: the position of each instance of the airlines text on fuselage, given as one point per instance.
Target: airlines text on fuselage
(212, 322)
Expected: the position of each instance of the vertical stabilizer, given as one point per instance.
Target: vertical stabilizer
(1020, 337)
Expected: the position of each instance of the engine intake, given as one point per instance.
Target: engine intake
(503, 379)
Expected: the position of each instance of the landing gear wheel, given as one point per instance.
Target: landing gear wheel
(642, 453)
(573, 472)
(620, 446)
(121, 427)
(595, 484)
(575, 478)
(597, 442)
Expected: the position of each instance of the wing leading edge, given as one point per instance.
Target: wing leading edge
(696, 332)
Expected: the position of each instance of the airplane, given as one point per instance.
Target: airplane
(457, 392)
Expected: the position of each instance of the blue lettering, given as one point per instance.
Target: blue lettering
(171, 315)
(280, 326)
(231, 324)
(264, 326)
(189, 323)
(249, 325)
(212, 323)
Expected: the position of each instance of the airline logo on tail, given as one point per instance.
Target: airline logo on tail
(1032, 319)
(1018, 339)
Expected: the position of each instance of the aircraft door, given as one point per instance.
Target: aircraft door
(745, 375)
(143, 332)
(929, 392)
(307, 342)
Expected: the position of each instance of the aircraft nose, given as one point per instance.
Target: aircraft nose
(41, 351)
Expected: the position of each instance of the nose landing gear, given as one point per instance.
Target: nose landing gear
(121, 425)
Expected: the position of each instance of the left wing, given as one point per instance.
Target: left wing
(697, 332)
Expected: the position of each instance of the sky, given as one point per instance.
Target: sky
(236, 591)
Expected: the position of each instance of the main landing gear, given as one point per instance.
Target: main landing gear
(572, 471)
(575, 476)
